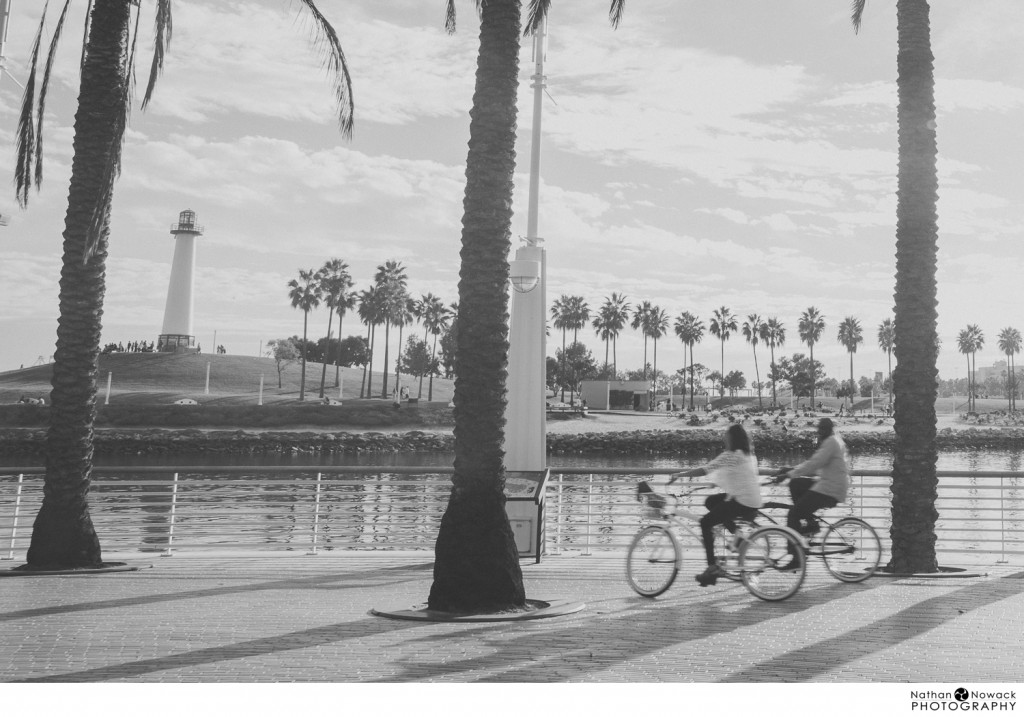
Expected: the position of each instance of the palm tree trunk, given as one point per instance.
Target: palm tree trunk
(914, 482)
(305, 327)
(63, 535)
(337, 353)
(691, 376)
(327, 348)
(430, 386)
(775, 399)
(476, 565)
(757, 374)
(562, 377)
(387, 341)
(851, 380)
(814, 378)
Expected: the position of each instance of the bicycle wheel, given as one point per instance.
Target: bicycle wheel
(653, 561)
(763, 555)
(851, 550)
(727, 546)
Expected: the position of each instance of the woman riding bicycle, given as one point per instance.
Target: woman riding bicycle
(735, 471)
(831, 464)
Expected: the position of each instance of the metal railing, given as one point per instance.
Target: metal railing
(170, 510)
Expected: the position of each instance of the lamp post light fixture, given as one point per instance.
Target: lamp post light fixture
(524, 274)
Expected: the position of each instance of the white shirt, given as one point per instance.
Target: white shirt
(735, 472)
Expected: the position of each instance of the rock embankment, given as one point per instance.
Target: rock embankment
(29, 443)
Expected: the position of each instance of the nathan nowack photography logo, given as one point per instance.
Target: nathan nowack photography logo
(963, 700)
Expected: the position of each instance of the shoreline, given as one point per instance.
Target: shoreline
(596, 434)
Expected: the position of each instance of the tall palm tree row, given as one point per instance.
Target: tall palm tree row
(914, 480)
(63, 535)
(371, 313)
(721, 326)
(618, 309)
(850, 336)
(1010, 344)
(810, 328)
(305, 293)
(436, 317)
(773, 333)
(561, 318)
(753, 328)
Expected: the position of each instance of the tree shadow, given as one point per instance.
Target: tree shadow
(334, 581)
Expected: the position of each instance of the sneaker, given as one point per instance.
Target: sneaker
(794, 564)
(709, 576)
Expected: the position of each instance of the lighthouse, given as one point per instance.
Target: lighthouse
(177, 335)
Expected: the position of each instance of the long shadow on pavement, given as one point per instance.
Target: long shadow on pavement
(826, 655)
(341, 580)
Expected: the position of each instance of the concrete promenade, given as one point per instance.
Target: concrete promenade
(279, 617)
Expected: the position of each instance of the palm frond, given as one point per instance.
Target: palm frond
(536, 15)
(857, 13)
(333, 58)
(41, 108)
(615, 12)
(26, 146)
(85, 32)
(161, 43)
(449, 17)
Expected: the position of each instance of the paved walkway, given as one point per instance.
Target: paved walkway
(284, 618)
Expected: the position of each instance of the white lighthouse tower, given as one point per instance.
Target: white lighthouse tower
(177, 335)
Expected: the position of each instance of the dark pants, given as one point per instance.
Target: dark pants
(805, 503)
(721, 512)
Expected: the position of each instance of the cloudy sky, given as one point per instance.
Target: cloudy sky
(705, 154)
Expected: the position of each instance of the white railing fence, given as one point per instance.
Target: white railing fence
(174, 510)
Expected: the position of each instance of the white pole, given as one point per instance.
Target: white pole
(106, 401)
(341, 380)
(17, 508)
(260, 403)
(539, 47)
(170, 528)
(207, 391)
(214, 342)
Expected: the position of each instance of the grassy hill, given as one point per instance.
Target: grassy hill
(157, 378)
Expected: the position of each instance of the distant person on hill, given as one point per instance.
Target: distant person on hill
(735, 471)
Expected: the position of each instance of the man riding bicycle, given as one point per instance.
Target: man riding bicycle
(831, 464)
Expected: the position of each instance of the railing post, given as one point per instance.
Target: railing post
(590, 510)
(316, 514)
(17, 508)
(1002, 521)
(170, 530)
(558, 519)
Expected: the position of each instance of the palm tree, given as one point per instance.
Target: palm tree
(476, 563)
(657, 326)
(1009, 344)
(641, 321)
(305, 293)
(753, 328)
(403, 313)
(63, 535)
(603, 328)
(561, 317)
(773, 333)
(965, 344)
(850, 335)
(345, 302)
(577, 315)
(811, 324)
(390, 281)
(722, 324)
(690, 331)
(436, 318)
(886, 342)
(334, 282)
(371, 313)
(977, 343)
(914, 482)
(618, 314)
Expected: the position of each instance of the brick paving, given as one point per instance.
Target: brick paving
(295, 618)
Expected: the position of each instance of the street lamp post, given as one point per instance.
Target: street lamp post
(526, 412)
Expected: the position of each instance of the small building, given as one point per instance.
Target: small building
(617, 395)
